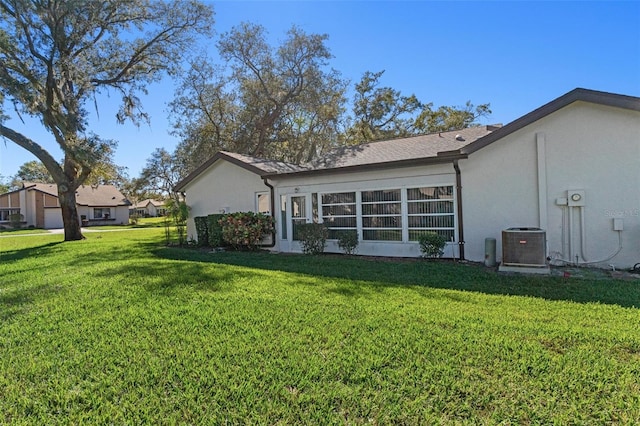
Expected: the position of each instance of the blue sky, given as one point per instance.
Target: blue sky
(516, 56)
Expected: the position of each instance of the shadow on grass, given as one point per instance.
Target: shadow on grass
(17, 301)
(41, 250)
(377, 273)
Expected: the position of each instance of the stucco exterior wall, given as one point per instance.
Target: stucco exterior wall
(521, 180)
(223, 187)
(411, 177)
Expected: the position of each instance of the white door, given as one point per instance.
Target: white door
(298, 211)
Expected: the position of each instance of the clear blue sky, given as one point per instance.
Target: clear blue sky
(516, 56)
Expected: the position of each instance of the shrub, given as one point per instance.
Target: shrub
(202, 230)
(15, 220)
(177, 212)
(348, 241)
(313, 237)
(432, 244)
(245, 230)
(215, 230)
(134, 219)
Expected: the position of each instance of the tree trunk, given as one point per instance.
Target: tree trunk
(70, 217)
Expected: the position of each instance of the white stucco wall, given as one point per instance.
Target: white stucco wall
(434, 175)
(585, 146)
(223, 186)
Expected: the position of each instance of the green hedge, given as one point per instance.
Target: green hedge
(215, 230)
(202, 230)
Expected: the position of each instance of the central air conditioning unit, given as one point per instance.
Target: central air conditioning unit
(524, 247)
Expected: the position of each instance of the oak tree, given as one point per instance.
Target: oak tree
(56, 56)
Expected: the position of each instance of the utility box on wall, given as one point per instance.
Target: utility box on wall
(524, 247)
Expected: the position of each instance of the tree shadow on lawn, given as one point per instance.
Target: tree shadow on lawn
(14, 302)
(379, 273)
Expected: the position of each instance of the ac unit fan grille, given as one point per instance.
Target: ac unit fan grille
(524, 247)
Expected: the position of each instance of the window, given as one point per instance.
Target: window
(263, 202)
(430, 209)
(101, 213)
(283, 217)
(382, 215)
(5, 214)
(298, 214)
(339, 212)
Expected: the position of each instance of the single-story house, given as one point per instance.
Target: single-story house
(563, 180)
(148, 208)
(38, 205)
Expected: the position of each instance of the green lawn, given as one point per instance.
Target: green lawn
(118, 329)
(22, 231)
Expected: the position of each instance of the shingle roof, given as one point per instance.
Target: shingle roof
(145, 203)
(259, 166)
(102, 195)
(411, 148)
(265, 165)
(86, 195)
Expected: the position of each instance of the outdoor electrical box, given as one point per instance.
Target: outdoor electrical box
(575, 198)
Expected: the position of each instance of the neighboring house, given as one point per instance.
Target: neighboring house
(38, 205)
(148, 208)
(571, 168)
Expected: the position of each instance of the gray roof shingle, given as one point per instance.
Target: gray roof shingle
(411, 148)
(86, 195)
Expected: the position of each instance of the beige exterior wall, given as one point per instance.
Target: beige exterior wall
(518, 181)
(224, 186)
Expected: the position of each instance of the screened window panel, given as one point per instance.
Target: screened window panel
(339, 210)
(430, 193)
(339, 198)
(429, 207)
(381, 195)
(448, 234)
(340, 221)
(382, 234)
(381, 209)
(431, 221)
(382, 222)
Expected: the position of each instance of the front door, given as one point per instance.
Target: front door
(297, 210)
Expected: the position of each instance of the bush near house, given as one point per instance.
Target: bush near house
(348, 241)
(15, 220)
(313, 237)
(431, 244)
(245, 230)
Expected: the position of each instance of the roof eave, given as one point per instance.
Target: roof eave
(584, 95)
(441, 158)
(220, 155)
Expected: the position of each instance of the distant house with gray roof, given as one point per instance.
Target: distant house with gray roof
(148, 208)
(38, 206)
(567, 172)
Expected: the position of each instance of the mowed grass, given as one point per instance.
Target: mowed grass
(119, 329)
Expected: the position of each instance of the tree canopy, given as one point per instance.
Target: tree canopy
(57, 56)
(278, 102)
